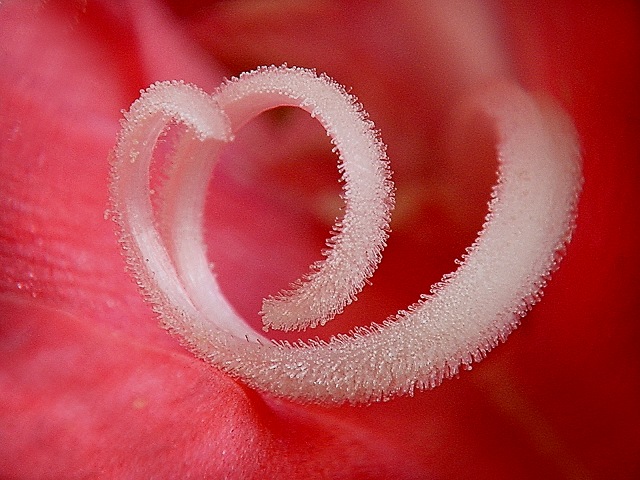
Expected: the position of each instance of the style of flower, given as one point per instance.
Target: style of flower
(530, 218)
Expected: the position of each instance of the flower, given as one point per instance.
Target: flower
(91, 387)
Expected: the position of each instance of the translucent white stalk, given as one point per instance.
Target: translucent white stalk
(530, 219)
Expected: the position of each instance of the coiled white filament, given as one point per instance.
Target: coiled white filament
(531, 217)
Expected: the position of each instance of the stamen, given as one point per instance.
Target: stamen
(531, 217)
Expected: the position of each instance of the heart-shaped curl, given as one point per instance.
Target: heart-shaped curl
(531, 217)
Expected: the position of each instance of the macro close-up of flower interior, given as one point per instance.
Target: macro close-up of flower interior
(319, 239)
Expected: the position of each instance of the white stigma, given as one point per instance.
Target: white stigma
(531, 216)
